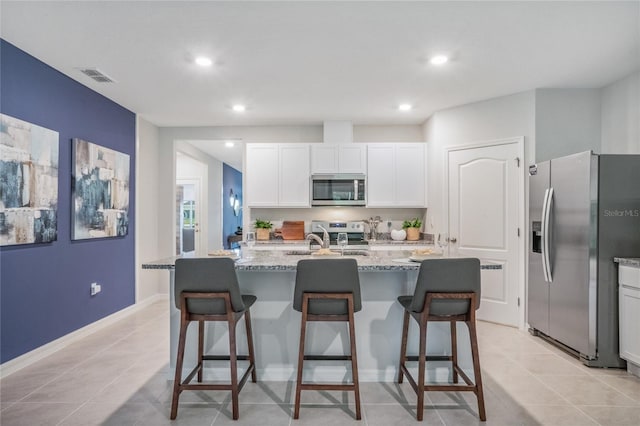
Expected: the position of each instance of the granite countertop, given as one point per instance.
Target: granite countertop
(260, 260)
(628, 261)
(278, 241)
(398, 243)
(281, 241)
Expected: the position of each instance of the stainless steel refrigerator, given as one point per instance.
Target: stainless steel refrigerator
(584, 210)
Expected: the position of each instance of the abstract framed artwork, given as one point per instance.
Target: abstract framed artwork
(100, 193)
(28, 183)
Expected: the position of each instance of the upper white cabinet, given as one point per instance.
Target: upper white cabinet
(338, 158)
(396, 174)
(294, 175)
(262, 178)
(277, 175)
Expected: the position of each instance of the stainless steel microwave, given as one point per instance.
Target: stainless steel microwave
(338, 190)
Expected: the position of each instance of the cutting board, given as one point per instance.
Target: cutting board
(293, 230)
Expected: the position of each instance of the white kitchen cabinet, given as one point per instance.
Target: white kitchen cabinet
(294, 175)
(629, 298)
(277, 175)
(262, 175)
(338, 158)
(396, 175)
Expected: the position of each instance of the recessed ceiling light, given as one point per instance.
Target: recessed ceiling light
(229, 144)
(203, 61)
(239, 108)
(405, 107)
(439, 60)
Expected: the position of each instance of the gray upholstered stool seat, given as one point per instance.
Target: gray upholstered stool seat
(207, 290)
(446, 290)
(327, 290)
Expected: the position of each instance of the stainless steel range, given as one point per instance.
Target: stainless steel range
(354, 230)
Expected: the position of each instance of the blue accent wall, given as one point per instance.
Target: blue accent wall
(45, 288)
(231, 179)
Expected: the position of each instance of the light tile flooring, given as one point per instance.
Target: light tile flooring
(118, 377)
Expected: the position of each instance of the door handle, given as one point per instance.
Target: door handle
(453, 240)
(543, 244)
(547, 237)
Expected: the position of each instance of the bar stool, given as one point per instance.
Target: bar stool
(446, 290)
(327, 290)
(207, 290)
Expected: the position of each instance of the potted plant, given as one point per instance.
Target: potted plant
(412, 227)
(263, 227)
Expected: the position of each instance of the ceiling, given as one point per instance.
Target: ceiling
(306, 62)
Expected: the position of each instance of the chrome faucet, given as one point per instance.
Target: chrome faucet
(315, 237)
(324, 242)
(325, 237)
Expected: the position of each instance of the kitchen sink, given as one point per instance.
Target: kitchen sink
(337, 251)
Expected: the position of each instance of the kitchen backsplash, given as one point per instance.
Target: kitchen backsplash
(395, 216)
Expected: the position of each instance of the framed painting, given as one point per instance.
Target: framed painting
(100, 193)
(28, 183)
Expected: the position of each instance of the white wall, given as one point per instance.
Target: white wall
(368, 134)
(497, 118)
(567, 122)
(621, 116)
(148, 282)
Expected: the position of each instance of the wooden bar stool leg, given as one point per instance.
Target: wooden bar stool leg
(403, 345)
(454, 351)
(303, 329)
(476, 367)
(179, 361)
(200, 349)
(354, 357)
(252, 359)
(422, 360)
(234, 368)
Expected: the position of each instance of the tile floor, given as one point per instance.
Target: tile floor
(118, 377)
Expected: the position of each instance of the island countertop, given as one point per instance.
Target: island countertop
(260, 260)
(628, 261)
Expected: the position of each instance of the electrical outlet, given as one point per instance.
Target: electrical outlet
(95, 288)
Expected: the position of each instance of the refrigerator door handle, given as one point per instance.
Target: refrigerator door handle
(547, 235)
(543, 248)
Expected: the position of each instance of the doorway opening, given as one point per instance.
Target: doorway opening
(191, 219)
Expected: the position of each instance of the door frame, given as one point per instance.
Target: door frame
(197, 182)
(523, 241)
(201, 177)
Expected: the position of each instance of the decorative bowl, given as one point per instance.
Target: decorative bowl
(398, 235)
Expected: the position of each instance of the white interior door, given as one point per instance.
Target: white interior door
(484, 214)
(189, 216)
(191, 205)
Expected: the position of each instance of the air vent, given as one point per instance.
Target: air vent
(97, 75)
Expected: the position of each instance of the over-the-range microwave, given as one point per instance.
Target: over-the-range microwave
(338, 190)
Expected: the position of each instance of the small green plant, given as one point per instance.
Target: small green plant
(412, 223)
(263, 224)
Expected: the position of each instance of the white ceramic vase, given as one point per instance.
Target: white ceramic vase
(398, 235)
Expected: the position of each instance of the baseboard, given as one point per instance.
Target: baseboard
(52, 347)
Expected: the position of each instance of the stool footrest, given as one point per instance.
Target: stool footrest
(224, 358)
(431, 358)
(185, 385)
(450, 388)
(327, 357)
(327, 386)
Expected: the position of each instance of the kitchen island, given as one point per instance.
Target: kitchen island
(270, 275)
